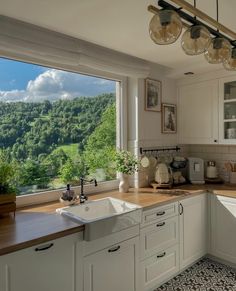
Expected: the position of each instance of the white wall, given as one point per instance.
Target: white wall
(22, 41)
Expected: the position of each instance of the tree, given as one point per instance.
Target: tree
(101, 144)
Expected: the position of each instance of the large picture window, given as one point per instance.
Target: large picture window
(55, 126)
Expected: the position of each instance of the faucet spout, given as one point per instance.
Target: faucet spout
(82, 196)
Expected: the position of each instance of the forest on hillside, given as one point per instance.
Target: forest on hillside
(53, 143)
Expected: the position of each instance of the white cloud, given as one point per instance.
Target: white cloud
(54, 84)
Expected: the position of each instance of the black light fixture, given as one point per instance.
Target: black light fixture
(165, 28)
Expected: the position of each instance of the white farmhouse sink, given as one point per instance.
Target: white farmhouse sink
(103, 216)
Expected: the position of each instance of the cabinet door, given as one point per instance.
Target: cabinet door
(46, 267)
(114, 268)
(193, 229)
(198, 113)
(227, 110)
(223, 232)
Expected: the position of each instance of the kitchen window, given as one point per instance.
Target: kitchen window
(57, 125)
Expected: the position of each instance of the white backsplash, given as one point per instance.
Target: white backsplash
(218, 153)
(147, 175)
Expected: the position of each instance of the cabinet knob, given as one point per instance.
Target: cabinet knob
(215, 140)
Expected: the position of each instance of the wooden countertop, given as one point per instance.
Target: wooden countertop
(36, 224)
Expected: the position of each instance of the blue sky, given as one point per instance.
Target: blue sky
(26, 82)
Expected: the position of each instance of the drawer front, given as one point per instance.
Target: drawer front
(159, 213)
(159, 268)
(159, 236)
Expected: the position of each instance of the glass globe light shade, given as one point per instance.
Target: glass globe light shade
(230, 63)
(195, 40)
(165, 27)
(218, 51)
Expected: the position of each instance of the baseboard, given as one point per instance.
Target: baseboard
(222, 261)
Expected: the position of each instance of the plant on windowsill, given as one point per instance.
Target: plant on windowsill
(126, 164)
(8, 189)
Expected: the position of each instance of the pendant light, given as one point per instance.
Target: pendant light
(219, 49)
(165, 27)
(230, 63)
(195, 40)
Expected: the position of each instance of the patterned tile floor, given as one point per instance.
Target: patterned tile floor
(205, 275)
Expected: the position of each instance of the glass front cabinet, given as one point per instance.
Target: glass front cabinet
(227, 110)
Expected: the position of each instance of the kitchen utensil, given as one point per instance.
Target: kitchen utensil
(144, 161)
(232, 177)
(228, 167)
(153, 162)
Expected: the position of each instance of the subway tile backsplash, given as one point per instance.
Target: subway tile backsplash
(218, 153)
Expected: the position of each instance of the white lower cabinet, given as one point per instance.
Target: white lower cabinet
(46, 267)
(193, 229)
(159, 246)
(113, 268)
(223, 228)
(159, 268)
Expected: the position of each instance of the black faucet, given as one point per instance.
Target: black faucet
(82, 196)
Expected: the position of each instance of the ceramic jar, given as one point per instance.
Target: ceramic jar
(124, 183)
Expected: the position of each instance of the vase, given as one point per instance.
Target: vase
(124, 183)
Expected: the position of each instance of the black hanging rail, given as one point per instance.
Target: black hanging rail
(166, 149)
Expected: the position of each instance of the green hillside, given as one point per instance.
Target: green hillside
(50, 141)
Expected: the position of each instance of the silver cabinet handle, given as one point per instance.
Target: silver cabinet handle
(43, 248)
(162, 255)
(112, 250)
(161, 224)
(161, 213)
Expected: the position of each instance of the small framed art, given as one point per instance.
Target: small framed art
(169, 118)
(152, 95)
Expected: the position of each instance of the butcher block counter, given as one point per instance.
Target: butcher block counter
(37, 224)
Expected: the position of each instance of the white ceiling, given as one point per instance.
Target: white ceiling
(120, 25)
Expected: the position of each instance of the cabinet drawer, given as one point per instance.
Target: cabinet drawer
(159, 268)
(159, 213)
(159, 236)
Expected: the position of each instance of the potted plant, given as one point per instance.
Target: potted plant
(7, 185)
(126, 164)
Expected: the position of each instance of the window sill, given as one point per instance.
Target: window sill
(49, 196)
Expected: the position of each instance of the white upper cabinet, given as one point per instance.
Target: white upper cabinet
(198, 113)
(227, 110)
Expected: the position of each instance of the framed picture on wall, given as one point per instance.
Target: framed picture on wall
(152, 95)
(169, 118)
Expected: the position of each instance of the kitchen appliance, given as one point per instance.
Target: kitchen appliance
(163, 174)
(211, 171)
(196, 170)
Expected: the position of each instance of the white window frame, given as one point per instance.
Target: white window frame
(121, 130)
